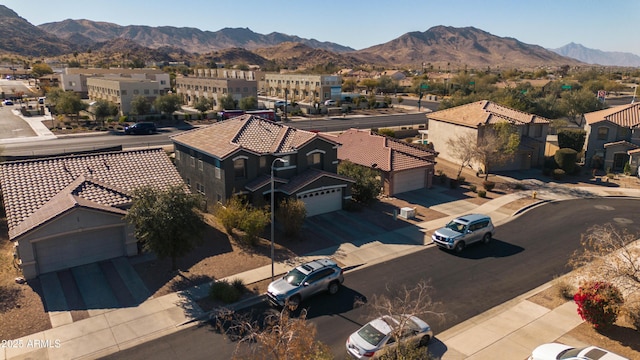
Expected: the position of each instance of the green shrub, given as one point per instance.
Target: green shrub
(627, 169)
(387, 132)
(566, 159)
(123, 119)
(253, 223)
(488, 185)
(473, 188)
(558, 174)
(482, 193)
(461, 179)
(238, 284)
(599, 303)
(224, 291)
(291, 215)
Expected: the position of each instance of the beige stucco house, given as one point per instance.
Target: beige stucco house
(476, 118)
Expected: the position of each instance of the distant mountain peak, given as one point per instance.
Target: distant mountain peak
(593, 56)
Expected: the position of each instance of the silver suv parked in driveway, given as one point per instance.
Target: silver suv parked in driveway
(464, 230)
(304, 281)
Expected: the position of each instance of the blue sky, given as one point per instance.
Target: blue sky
(611, 25)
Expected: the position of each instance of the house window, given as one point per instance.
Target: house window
(537, 131)
(188, 181)
(163, 82)
(146, 91)
(200, 165)
(240, 168)
(603, 133)
(216, 172)
(315, 160)
(200, 188)
(263, 162)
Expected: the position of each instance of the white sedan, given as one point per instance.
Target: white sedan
(377, 335)
(556, 351)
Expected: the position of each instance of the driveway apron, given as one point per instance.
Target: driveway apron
(94, 287)
(131, 280)
(54, 297)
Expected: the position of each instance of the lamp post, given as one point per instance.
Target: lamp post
(273, 163)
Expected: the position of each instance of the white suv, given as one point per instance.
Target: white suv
(305, 280)
(464, 230)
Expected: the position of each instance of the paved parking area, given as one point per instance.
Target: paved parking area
(12, 126)
(91, 289)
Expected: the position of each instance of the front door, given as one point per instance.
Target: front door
(619, 160)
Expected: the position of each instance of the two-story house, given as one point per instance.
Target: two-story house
(613, 137)
(475, 118)
(237, 157)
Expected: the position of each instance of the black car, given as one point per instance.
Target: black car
(141, 128)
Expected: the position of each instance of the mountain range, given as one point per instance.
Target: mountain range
(591, 56)
(439, 46)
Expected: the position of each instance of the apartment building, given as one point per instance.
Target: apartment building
(75, 79)
(121, 91)
(214, 84)
(302, 87)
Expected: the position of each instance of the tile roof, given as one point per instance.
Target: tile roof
(247, 132)
(367, 148)
(484, 112)
(624, 115)
(36, 191)
(307, 177)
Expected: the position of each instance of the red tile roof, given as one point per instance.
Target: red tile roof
(367, 148)
(484, 112)
(36, 191)
(624, 115)
(247, 132)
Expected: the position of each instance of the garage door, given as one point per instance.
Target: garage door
(79, 249)
(409, 180)
(323, 201)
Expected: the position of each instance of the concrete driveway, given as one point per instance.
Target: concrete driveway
(80, 292)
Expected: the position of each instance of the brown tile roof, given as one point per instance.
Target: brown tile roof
(36, 191)
(484, 112)
(367, 148)
(247, 132)
(307, 177)
(624, 115)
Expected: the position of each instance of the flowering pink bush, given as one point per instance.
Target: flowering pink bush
(598, 303)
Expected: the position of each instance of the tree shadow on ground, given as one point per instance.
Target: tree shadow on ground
(157, 273)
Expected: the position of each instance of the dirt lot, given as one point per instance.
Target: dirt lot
(21, 308)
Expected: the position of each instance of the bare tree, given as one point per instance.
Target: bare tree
(609, 254)
(463, 148)
(497, 145)
(278, 337)
(405, 300)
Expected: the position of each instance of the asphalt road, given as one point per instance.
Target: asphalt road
(66, 145)
(525, 253)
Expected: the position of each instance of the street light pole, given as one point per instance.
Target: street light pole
(273, 163)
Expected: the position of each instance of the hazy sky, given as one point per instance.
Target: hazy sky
(611, 25)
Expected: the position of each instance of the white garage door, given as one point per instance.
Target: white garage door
(409, 180)
(323, 201)
(79, 249)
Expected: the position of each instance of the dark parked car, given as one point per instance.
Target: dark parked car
(141, 128)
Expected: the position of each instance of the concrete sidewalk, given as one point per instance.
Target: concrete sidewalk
(508, 331)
